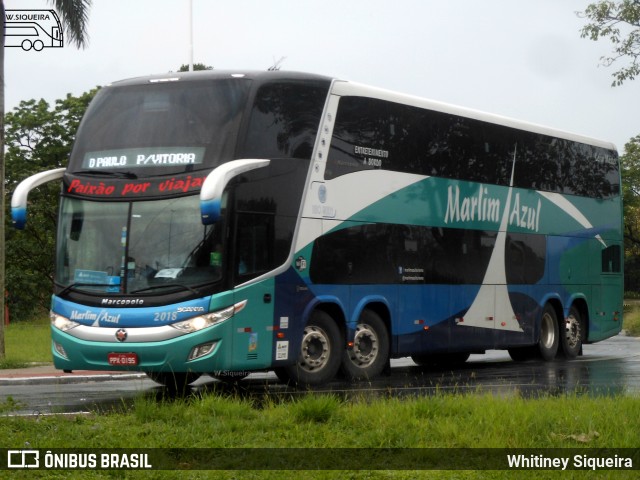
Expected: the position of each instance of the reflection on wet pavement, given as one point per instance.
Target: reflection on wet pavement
(608, 368)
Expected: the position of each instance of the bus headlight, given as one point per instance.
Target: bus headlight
(209, 319)
(62, 323)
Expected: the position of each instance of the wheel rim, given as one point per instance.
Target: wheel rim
(547, 332)
(572, 332)
(365, 346)
(316, 349)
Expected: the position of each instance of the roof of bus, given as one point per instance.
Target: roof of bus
(347, 88)
(260, 75)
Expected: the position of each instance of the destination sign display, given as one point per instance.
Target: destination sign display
(143, 158)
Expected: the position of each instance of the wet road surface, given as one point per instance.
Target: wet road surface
(607, 368)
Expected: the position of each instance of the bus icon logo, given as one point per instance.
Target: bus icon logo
(32, 29)
(23, 459)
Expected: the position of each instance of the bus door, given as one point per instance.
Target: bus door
(252, 256)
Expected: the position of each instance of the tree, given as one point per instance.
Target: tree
(630, 169)
(74, 14)
(196, 67)
(620, 23)
(38, 138)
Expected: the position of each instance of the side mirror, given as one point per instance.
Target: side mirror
(19, 198)
(213, 186)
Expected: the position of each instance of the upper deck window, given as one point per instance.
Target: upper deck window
(161, 128)
(377, 134)
(285, 119)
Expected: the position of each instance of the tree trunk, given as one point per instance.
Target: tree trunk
(2, 193)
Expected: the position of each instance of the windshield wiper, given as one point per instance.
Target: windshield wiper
(74, 285)
(167, 285)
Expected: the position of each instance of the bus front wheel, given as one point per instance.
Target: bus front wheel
(369, 354)
(319, 358)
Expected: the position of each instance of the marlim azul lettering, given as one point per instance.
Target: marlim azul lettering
(482, 207)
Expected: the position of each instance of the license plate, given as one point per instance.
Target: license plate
(122, 359)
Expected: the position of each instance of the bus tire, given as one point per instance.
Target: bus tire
(175, 381)
(370, 352)
(549, 334)
(319, 358)
(572, 334)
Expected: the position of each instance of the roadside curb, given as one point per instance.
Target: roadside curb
(42, 373)
(68, 378)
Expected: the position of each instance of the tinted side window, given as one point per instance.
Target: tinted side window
(387, 253)
(254, 245)
(611, 259)
(559, 165)
(411, 254)
(284, 120)
(372, 133)
(376, 134)
(269, 197)
(525, 257)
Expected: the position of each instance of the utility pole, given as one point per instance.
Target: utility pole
(191, 35)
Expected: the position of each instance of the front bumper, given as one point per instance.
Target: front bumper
(157, 349)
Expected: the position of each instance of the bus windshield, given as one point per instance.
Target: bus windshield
(161, 129)
(136, 247)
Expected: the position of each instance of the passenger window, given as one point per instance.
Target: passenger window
(253, 245)
(611, 259)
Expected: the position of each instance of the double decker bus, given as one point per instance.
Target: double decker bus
(223, 223)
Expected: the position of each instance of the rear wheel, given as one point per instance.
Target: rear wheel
(572, 334)
(370, 352)
(549, 334)
(320, 350)
(174, 380)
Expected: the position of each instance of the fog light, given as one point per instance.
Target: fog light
(60, 350)
(201, 350)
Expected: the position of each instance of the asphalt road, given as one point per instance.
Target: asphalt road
(607, 368)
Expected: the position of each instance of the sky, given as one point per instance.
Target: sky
(522, 59)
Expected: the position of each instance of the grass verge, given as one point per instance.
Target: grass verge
(631, 317)
(26, 343)
(214, 420)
